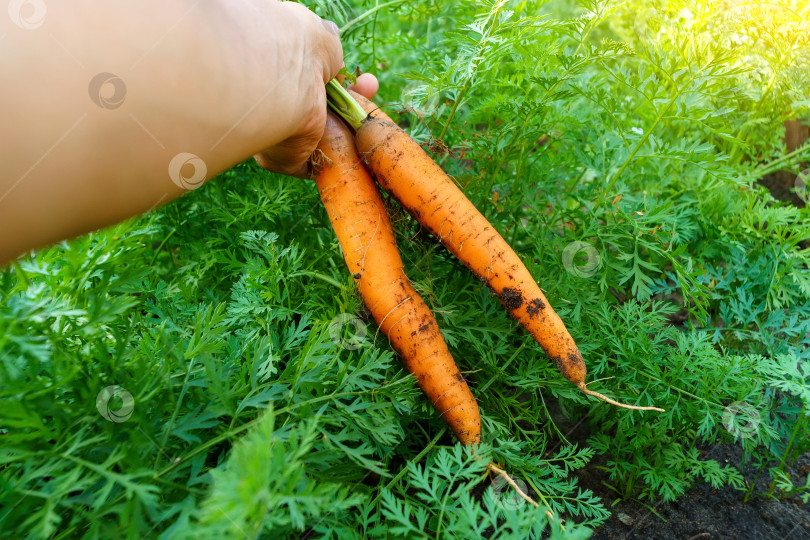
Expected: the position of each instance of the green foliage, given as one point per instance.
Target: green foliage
(789, 400)
(638, 129)
(439, 496)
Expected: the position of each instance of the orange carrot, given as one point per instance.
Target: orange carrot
(361, 224)
(364, 231)
(369, 107)
(403, 169)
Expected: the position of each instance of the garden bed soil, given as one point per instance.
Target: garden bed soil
(703, 513)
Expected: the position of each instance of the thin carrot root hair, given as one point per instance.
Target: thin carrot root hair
(508, 479)
(584, 387)
(318, 160)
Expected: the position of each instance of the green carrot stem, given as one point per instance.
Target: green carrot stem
(344, 105)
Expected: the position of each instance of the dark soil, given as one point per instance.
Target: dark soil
(703, 513)
(782, 187)
(708, 513)
(511, 298)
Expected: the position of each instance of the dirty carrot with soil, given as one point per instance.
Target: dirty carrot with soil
(363, 229)
(405, 170)
(361, 224)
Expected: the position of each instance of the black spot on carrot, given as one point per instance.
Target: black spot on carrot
(425, 326)
(511, 298)
(559, 363)
(534, 308)
(460, 377)
(357, 275)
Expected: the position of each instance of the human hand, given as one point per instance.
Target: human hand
(291, 156)
(366, 85)
(219, 83)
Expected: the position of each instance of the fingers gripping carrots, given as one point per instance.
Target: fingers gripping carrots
(361, 224)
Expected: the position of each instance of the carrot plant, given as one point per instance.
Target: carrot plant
(208, 369)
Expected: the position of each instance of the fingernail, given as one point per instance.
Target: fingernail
(331, 27)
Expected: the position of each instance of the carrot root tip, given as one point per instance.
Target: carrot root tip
(503, 474)
(500, 472)
(584, 387)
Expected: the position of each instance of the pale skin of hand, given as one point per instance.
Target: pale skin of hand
(223, 80)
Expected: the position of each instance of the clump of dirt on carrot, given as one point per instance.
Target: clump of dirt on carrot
(363, 229)
(405, 170)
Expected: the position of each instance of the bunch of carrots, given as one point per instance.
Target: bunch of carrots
(368, 146)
